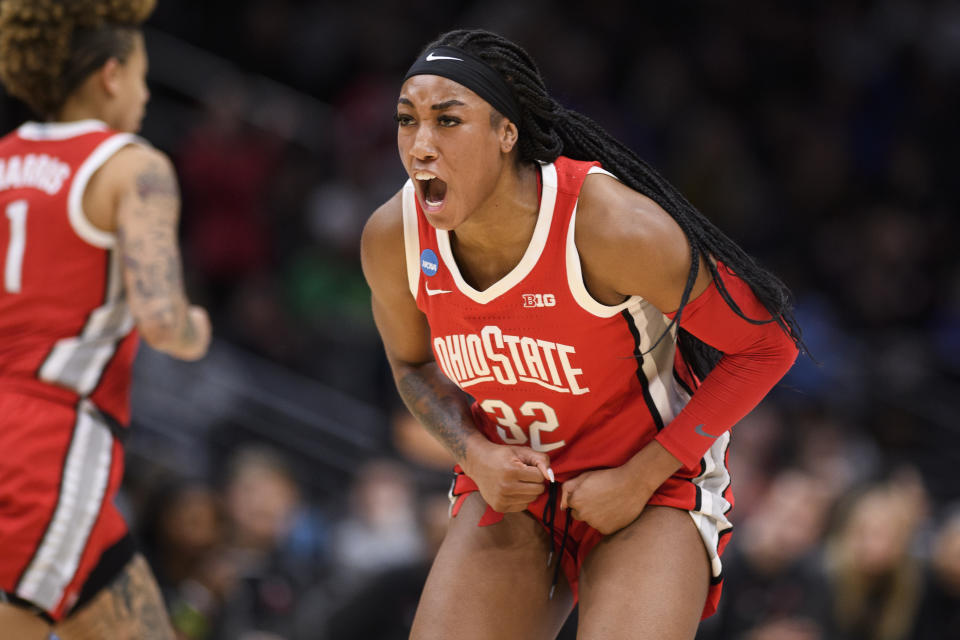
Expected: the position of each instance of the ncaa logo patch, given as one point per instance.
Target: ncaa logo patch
(429, 263)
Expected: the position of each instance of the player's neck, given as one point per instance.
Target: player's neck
(75, 109)
(507, 217)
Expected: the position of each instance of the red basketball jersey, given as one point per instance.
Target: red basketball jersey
(65, 329)
(548, 366)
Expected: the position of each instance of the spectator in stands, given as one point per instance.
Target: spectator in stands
(181, 535)
(939, 616)
(381, 530)
(876, 580)
(775, 587)
(262, 499)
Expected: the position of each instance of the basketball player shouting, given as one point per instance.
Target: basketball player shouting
(535, 263)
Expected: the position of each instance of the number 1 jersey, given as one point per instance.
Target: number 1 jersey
(65, 329)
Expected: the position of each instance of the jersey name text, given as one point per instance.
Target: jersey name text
(38, 171)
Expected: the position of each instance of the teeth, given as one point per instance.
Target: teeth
(423, 175)
(433, 203)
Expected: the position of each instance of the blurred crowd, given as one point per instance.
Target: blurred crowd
(827, 547)
(819, 135)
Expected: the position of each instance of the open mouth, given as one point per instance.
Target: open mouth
(433, 190)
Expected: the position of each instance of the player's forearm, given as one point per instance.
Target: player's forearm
(440, 406)
(156, 293)
(649, 468)
(755, 357)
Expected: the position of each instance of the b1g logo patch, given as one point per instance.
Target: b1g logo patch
(429, 263)
(534, 300)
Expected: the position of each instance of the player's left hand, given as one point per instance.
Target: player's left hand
(605, 499)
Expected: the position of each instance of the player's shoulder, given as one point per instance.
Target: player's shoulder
(626, 239)
(382, 245)
(385, 224)
(610, 213)
(137, 157)
(135, 164)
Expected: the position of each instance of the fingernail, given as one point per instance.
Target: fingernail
(550, 473)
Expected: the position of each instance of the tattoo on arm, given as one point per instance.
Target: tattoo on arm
(442, 409)
(156, 180)
(151, 258)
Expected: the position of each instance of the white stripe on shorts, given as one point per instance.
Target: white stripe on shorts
(86, 472)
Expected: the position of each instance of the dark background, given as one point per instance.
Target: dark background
(819, 135)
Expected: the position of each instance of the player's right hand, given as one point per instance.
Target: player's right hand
(509, 477)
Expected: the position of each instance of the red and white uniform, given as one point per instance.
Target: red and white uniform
(551, 368)
(67, 343)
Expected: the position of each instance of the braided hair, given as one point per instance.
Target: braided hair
(548, 130)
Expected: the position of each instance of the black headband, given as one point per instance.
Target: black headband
(470, 71)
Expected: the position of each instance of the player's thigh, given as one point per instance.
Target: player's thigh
(129, 608)
(16, 623)
(491, 582)
(648, 580)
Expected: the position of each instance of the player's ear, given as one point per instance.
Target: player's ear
(108, 76)
(509, 134)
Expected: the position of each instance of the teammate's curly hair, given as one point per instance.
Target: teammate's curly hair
(548, 130)
(49, 47)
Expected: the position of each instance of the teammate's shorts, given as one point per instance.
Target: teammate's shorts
(60, 468)
(696, 496)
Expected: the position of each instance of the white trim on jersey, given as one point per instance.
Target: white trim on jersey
(541, 232)
(78, 362)
(667, 394)
(86, 473)
(59, 130)
(711, 520)
(602, 171)
(78, 219)
(575, 272)
(669, 398)
(411, 236)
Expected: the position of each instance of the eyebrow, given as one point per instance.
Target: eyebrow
(436, 107)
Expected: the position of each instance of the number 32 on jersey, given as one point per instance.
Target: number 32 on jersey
(507, 420)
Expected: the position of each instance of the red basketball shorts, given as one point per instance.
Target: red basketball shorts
(705, 497)
(60, 468)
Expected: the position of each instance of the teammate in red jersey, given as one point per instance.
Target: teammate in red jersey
(575, 307)
(89, 259)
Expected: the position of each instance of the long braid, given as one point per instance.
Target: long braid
(547, 129)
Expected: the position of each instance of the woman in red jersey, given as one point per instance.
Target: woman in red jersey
(546, 301)
(88, 251)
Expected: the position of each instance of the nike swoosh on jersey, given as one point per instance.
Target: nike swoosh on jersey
(432, 56)
(700, 431)
(435, 292)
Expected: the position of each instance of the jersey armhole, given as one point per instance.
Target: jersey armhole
(78, 219)
(411, 237)
(575, 272)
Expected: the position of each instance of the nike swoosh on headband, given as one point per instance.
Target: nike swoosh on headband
(433, 56)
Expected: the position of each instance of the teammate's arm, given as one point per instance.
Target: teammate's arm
(148, 209)
(508, 477)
